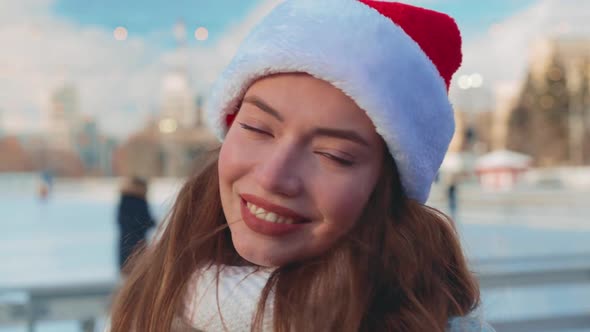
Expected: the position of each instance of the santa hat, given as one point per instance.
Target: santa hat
(394, 60)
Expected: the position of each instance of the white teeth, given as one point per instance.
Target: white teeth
(268, 216)
(272, 217)
(285, 220)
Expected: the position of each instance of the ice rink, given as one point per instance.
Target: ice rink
(71, 237)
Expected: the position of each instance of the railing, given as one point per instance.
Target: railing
(526, 272)
(86, 303)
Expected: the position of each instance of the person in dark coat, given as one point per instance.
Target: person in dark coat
(133, 217)
(452, 199)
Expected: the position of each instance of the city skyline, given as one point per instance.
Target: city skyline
(120, 73)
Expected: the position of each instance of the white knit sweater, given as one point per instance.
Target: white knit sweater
(238, 294)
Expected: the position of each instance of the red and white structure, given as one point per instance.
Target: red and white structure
(501, 170)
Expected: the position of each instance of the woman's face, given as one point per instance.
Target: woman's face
(296, 169)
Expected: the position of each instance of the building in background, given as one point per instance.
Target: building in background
(543, 121)
(87, 143)
(140, 155)
(13, 156)
(71, 145)
(46, 158)
(163, 148)
(550, 117)
(177, 99)
(75, 145)
(501, 170)
(174, 141)
(64, 120)
(95, 149)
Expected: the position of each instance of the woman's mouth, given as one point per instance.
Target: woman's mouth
(269, 219)
(264, 215)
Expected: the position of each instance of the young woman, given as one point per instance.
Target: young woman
(334, 118)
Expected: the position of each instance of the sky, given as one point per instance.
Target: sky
(48, 43)
(151, 17)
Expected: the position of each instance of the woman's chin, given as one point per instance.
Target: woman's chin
(260, 253)
(257, 249)
(259, 256)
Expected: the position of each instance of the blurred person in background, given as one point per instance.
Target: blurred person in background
(133, 217)
(452, 189)
(335, 119)
(45, 185)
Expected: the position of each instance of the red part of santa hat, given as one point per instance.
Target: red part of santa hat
(435, 32)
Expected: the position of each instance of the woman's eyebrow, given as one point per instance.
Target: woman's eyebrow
(350, 135)
(263, 106)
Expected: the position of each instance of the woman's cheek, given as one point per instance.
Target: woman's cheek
(344, 198)
(239, 151)
(229, 156)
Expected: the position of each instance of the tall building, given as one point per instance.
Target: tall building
(506, 96)
(73, 144)
(550, 117)
(94, 149)
(171, 144)
(183, 138)
(64, 118)
(177, 99)
(106, 155)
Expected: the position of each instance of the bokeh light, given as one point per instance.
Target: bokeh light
(472, 81)
(476, 80)
(168, 126)
(120, 33)
(201, 34)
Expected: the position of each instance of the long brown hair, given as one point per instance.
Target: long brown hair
(400, 268)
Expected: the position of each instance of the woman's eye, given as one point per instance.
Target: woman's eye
(254, 129)
(338, 160)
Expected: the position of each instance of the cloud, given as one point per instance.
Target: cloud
(503, 53)
(40, 53)
(118, 82)
(15, 11)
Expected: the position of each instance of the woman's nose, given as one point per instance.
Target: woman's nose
(279, 172)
